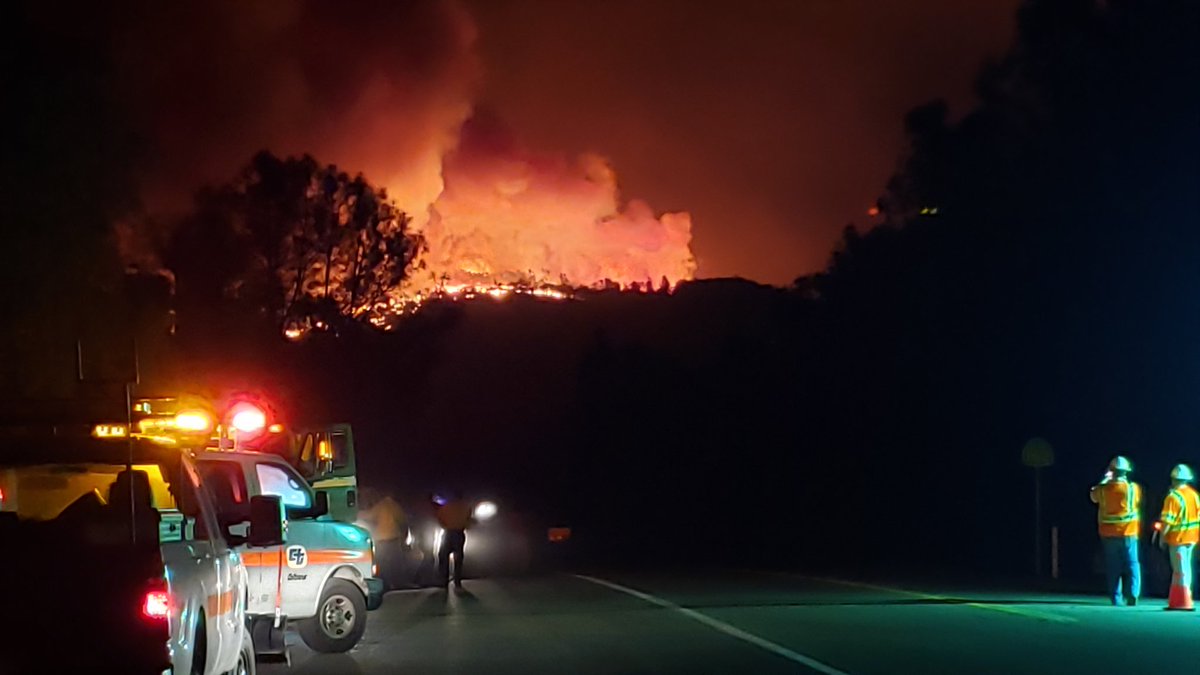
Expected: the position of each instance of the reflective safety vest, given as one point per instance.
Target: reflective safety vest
(1181, 515)
(1119, 504)
(455, 515)
(387, 520)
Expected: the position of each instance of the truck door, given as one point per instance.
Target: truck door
(224, 602)
(301, 574)
(202, 555)
(325, 457)
(226, 482)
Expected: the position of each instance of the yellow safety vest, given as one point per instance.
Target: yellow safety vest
(1181, 515)
(1119, 504)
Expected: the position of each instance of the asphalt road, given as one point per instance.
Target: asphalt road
(754, 623)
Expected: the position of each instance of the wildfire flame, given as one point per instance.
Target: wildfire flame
(408, 304)
(510, 220)
(512, 223)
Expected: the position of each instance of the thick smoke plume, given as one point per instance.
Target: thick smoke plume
(508, 216)
(384, 88)
(378, 87)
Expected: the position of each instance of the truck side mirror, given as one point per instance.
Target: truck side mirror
(320, 504)
(266, 521)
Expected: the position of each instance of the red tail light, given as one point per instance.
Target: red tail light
(156, 604)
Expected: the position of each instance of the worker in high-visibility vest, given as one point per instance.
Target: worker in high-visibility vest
(455, 516)
(1180, 533)
(1119, 501)
(388, 525)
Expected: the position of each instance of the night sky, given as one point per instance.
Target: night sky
(774, 123)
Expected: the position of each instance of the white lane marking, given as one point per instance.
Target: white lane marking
(1005, 608)
(732, 631)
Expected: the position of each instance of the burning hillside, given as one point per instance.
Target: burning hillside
(509, 221)
(489, 216)
(507, 217)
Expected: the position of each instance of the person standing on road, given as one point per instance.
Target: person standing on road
(455, 517)
(389, 528)
(1180, 533)
(1119, 502)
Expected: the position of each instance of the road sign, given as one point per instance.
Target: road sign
(1037, 454)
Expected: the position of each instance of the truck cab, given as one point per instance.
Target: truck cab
(323, 580)
(324, 455)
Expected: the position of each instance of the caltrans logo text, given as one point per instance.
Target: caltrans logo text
(297, 557)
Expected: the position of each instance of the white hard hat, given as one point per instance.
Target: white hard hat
(1182, 472)
(1119, 463)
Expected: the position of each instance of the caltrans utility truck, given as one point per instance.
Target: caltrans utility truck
(324, 580)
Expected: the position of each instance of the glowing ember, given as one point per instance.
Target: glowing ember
(458, 292)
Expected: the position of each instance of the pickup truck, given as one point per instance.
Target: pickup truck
(115, 561)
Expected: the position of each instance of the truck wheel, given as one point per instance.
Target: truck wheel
(199, 646)
(245, 663)
(340, 621)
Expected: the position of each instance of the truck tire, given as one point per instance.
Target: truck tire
(199, 646)
(246, 664)
(340, 620)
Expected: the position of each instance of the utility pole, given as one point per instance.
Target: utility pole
(1037, 521)
(130, 381)
(1037, 454)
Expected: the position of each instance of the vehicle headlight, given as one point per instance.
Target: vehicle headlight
(484, 510)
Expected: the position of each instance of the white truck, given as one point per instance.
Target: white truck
(119, 561)
(323, 580)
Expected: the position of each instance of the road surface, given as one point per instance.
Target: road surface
(753, 623)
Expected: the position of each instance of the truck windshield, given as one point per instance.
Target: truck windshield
(100, 497)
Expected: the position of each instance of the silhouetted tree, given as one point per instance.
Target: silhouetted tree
(1037, 264)
(303, 244)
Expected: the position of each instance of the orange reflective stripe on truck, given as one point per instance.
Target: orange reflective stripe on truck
(219, 603)
(262, 558)
(315, 557)
(336, 555)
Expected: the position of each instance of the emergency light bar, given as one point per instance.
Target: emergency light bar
(193, 420)
(248, 419)
(159, 428)
(110, 431)
(238, 422)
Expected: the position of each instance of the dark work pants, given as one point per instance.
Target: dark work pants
(389, 554)
(1124, 569)
(452, 543)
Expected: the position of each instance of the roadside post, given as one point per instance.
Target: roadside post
(1054, 553)
(1037, 455)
